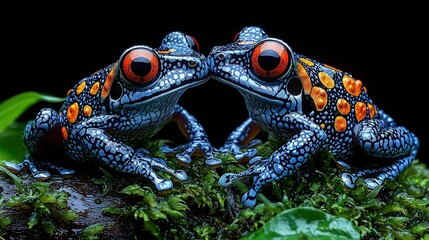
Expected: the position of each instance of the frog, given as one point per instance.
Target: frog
(307, 107)
(109, 116)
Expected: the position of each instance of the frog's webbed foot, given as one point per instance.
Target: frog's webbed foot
(184, 152)
(242, 153)
(37, 174)
(375, 177)
(145, 165)
(260, 172)
(27, 165)
(65, 172)
(383, 139)
(35, 168)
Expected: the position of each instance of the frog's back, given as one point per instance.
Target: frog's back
(334, 99)
(85, 99)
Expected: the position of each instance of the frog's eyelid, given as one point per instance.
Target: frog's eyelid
(193, 43)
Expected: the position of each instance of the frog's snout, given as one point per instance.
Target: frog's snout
(215, 59)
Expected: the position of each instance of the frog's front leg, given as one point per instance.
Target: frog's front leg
(119, 156)
(382, 139)
(39, 135)
(198, 141)
(284, 161)
(243, 138)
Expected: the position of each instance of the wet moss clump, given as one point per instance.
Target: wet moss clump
(200, 208)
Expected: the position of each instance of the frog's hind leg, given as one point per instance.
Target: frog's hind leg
(381, 139)
(36, 132)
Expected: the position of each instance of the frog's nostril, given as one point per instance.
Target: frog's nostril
(192, 63)
(221, 56)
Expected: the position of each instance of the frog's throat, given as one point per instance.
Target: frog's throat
(244, 90)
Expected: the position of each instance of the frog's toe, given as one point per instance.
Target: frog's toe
(349, 180)
(180, 174)
(41, 175)
(227, 178)
(372, 183)
(213, 162)
(249, 198)
(163, 185)
(254, 143)
(243, 157)
(67, 173)
(183, 159)
(167, 150)
(256, 160)
(13, 167)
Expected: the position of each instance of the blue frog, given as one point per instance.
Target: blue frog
(109, 116)
(307, 107)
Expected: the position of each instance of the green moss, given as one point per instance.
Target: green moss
(396, 210)
(46, 207)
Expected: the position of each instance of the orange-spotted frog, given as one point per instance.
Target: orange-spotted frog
(109, 116)
(306, 106)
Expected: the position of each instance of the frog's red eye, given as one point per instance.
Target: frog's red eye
(193, 42)
(139, 65)
(270, 60)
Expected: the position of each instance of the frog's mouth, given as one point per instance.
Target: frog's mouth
(159, 92)
(248, 90)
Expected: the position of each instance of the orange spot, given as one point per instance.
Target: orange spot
(364, 89)
(343, 106)
(87, 111)
(64, 133)
(354, 87)
(73, 112)
(322, 125)
(68, 92)
(320, 97)
(372, 110)
(340, 124)
(80, 88)
(305, 79)
(166, 51)
(245, 42)
(94, 88)
(326, 80)
(360, 111)
(307, 62)
(108, 83)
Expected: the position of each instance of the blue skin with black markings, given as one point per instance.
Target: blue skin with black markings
(306, 106)
(108, 116)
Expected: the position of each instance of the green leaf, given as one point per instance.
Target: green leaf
(49, 227)
(11, 147)
(91, 231)
(48, 198)
(16, 180)
(305, 223)
(136, 190)
(13, 107)
(69, 215)
(4, 221)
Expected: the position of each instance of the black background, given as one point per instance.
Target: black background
(48, 48)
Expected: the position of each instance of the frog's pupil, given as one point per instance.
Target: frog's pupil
(269, 60)
(141, 66)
